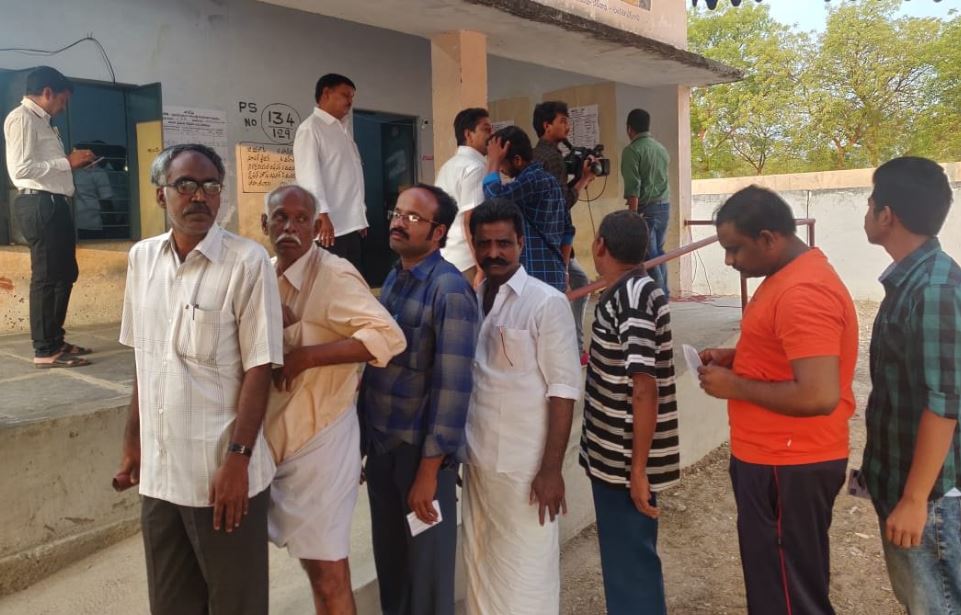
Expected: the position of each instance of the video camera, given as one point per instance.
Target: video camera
(574, 160)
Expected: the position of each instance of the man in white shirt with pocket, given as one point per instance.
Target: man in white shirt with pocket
(526, 380)
(202, 311)
(462, 177)
(327, 162)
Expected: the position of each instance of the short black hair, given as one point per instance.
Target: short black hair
(497, 210)
(330, 80)
(545, 112)
(47, 77)
(161, 164)
(446, 208)
(639, 120)
(917, 191)
(520, 142)
(755, 209)
(625, 236)
(467, 119)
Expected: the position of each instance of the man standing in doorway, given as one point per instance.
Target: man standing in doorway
(548, 231)
(629, 442)
(644, 165)
(202, 312)
(912, 460)
(327, 163)
(526, 380)
(552, 125)
(788, 383)
(332, 325)
(43, 177)
(413, 410)
(462, 177)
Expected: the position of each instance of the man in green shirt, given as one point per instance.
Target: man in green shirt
(644, 170)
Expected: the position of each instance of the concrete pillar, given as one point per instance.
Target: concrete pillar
(458, 80)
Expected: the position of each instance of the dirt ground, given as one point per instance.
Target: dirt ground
(698, 539)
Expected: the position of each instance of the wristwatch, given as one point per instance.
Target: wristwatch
(240, 449)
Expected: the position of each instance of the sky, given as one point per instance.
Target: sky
(810, 14)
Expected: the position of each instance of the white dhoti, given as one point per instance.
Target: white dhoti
(512, 562)
(314, 491)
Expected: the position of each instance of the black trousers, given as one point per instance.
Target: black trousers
(46, 222)
(193, 570)
(350, 247)
(415, 574)
(783, 518)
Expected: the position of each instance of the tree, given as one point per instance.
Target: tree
(863, 90)
(744, 126)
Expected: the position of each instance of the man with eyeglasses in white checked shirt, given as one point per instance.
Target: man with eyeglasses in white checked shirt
(202, 312)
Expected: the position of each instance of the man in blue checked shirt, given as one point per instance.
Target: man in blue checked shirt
(413, 411)
(548, 230)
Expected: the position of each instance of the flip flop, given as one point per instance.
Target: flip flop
(74, 349)
(63, 360)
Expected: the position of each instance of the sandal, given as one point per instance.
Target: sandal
(74, 349)
(63, 360)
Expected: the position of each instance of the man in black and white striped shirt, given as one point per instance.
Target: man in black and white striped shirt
(629, 445)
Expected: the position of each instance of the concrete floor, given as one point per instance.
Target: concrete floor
(112, 581)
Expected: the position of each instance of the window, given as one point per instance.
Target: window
(102, 117)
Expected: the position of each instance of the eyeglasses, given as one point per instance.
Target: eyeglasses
(189, 187)
(412, 218)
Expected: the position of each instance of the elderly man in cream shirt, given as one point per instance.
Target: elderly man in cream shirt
(332, 324)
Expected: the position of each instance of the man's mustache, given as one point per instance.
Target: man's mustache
(291, 237)
(197, 209)
(400, 231)
(487, 262)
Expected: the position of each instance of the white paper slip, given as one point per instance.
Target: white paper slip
(692, 357)
(417, 526)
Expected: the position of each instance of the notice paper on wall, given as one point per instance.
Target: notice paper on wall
(206, 127)
(264, 166)
(585, 128)
(495, 126)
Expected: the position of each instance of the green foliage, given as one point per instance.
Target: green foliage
(871, 86)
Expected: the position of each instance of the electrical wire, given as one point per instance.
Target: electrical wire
(47, 53)
(589, 201)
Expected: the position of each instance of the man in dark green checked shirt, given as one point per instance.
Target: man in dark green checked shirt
(644, 165)
(912, 461)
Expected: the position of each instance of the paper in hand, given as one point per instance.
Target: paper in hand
(417, 526)
(692, 357)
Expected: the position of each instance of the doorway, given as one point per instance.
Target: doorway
(388, 151)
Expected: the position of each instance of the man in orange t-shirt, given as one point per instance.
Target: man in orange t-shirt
(788, 386)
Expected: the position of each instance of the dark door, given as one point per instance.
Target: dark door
(388, 150)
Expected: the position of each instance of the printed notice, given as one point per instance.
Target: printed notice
(264, 166)
(495, 126)
(585, 128)
(206, 127)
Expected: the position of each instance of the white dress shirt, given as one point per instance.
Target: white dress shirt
(526, 353)
(35, 156)
(327, 163)
(462, 177)
(196, 327)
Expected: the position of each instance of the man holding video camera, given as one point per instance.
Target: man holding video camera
(552, 125)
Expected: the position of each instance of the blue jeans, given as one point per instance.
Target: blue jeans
(657, 215)
(578, 278)
(927, 579)
(633, 580)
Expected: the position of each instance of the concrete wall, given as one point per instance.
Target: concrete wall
(58, 503)
(838, 201)
(662, 20)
